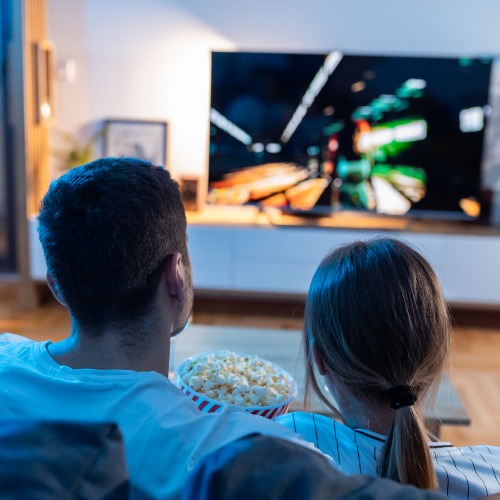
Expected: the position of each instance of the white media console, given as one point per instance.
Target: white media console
(244, 252)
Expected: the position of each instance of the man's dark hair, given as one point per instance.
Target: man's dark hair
(107, 229)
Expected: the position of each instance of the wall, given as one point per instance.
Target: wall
(66, 27)
(149, 59)
(3, 162)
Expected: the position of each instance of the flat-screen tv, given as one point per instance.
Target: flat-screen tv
(316, 133)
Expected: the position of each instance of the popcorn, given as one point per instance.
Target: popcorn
(236, 379)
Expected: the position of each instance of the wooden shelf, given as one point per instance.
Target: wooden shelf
(250, 216)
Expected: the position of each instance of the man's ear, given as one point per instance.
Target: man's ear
(174, 275)
(320, 363)
(54, 289)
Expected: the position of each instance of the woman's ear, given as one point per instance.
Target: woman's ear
(174, 274)
(318, 359)
(54, 289)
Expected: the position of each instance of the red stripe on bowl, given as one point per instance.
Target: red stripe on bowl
(273, 413)
(202, 405)
(214, 409)
(265, 412)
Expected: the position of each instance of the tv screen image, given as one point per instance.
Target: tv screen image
(315, 133)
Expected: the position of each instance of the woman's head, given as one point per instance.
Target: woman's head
(377, 319)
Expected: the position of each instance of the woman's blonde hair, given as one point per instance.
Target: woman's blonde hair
(376, 315)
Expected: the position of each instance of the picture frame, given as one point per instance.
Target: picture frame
(190, 193)
(144, 139)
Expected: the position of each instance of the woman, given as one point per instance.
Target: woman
(377, 329)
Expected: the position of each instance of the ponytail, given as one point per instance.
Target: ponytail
(405, 456)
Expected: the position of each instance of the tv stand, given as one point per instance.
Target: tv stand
(246, 252)
(341, 219)
(250, 252)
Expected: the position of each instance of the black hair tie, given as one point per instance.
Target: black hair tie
(401, 395)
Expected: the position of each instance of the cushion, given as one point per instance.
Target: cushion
(49, 459)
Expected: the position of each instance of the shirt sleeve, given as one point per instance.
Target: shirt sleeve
(9, 338)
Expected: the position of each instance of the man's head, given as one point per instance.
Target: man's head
(108, 229)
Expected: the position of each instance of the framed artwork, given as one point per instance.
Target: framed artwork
(190, 193)
(142, 139)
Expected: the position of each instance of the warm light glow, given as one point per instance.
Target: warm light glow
(183, 78)
(329, 111)
(470, 206)
(45, 110)
(358, 86)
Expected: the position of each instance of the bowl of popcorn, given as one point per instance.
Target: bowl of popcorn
(245, 382)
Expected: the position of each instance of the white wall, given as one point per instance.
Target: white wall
(149, 59)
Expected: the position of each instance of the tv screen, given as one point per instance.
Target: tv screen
(317, 133)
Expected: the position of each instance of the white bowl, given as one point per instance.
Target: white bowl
(208, 405)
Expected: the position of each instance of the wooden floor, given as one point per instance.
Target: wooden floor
(475, 356)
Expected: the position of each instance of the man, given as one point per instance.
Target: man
(114, 238)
